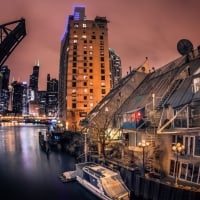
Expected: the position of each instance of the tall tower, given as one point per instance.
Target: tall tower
(52, 97)
(20, 102)
(4, 90)
(84, 76)
(33, 82)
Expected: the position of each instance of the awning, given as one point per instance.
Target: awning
(133, 111)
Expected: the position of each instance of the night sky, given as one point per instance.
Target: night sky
(137, 29)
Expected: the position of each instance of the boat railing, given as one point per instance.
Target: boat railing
(93, 173)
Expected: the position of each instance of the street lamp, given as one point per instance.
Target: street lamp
(85, 146)
(143, 144)
(178, 148)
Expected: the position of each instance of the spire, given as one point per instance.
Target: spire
(37, 63)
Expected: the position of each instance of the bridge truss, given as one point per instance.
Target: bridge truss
(11, 35)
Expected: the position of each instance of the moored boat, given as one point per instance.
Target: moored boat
(68, 176)
(102, 181)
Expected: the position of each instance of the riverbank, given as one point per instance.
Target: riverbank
(146, 187)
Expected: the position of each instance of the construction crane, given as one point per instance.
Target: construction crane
(11, 35)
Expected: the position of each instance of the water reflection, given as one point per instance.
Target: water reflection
(27, 172)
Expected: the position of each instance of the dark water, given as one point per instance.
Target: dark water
(27, 173)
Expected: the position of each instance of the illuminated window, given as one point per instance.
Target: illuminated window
(101, 47)
(91, 105)
(75, 41)
(84, 36)
(84, 25)
(75, 36)
(75, 25)
(73, 91)
(85, 90)
(189, 145)
(196, 84)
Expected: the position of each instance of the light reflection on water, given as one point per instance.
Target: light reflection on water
(27, 172)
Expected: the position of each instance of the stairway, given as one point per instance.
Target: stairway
(153, 149)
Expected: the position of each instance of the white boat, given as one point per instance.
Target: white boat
(102, 181)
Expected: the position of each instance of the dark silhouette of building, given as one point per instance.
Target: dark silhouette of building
(20, 101)
(33, 82)
(42, 96)
(51, 97)
(4, 92)
(115, 68)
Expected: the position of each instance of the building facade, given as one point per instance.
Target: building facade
(33, 81)
(84, 76)
(52, 97)
(4, 91)
(115, 68)
(20, 100)
(159, 120)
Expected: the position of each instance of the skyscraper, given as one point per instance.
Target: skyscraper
(84, 76)
(20, 102)
(33, 82)
(4, 91)
(52, 97)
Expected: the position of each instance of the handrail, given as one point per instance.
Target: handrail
(159, 131)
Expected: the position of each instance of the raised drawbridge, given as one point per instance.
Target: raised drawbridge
(11, 34)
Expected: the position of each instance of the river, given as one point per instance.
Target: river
(27, 173)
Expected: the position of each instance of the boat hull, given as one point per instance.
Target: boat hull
(92, 189)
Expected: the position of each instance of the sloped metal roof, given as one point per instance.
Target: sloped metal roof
(171, 84)
(118, 94)
(183, 95)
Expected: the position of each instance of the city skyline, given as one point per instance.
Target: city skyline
(136, 30)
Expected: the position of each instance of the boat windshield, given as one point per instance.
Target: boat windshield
(114, 187)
